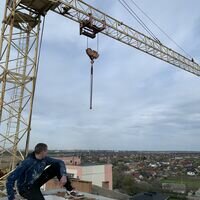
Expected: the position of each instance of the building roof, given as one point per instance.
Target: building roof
(52, 195)
(150, 196)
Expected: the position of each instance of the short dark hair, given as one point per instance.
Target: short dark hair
(40, 147)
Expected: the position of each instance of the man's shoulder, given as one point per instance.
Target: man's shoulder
(27, 161)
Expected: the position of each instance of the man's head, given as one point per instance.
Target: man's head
(41, 150)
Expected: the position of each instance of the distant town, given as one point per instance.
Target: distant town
(174, 173)
(127, 174)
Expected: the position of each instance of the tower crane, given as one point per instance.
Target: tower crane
(20, 43)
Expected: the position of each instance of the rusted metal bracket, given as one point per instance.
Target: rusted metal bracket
(89, 29)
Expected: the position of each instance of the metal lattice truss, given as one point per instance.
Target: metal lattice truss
(18, 70)
(79, 11)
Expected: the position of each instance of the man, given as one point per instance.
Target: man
(32, 173)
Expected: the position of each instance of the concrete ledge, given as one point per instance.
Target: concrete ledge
(51, 195)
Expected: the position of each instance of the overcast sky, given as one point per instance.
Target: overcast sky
(140, 102)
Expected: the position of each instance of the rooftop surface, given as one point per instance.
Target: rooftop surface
(52, 195)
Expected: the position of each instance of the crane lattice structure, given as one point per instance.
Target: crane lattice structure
(20, 42)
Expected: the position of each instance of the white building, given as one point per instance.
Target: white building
(100, 175)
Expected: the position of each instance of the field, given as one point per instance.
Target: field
(190, 182)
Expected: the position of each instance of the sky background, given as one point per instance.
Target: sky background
(140, 102)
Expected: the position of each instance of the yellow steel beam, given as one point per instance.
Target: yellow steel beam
(19, 44)
(80, 11)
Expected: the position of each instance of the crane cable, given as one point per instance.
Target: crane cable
(87, 42)
(167, 35)
(137, 18)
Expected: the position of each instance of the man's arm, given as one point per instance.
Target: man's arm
(61, 163)
(13, 177)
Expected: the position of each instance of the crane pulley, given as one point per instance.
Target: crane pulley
(89, 29)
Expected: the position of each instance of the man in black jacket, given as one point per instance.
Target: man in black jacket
(32, 173)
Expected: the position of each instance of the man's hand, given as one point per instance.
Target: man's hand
(63, 180)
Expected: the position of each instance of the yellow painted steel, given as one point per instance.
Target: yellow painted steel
(18, 71)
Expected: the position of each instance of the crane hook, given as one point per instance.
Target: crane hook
(92, 55)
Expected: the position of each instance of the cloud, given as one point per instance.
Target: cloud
(140, 103)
